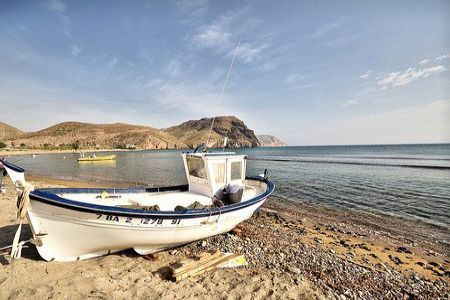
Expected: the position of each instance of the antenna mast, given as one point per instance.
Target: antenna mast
(223, 88)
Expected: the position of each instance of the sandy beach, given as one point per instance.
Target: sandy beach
(295, 251)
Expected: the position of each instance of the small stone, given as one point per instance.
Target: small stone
(435, 264)
(294, 270)
(403, 250)
(395, 260)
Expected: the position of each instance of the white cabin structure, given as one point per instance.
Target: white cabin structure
(207, 173)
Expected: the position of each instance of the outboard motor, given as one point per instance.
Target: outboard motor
(234, 193)
(265, 175)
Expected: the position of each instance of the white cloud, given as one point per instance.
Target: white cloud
(58, 7)
(325, 29)
(192, 11)
(406, 77)
(366, 75)
(248, 52)
(76, 49)
(198, 99)
(424, 61)
(349, 102)
(366, 91)
(294, 78)
(153, 83)
(112, 62)
(214, 36)
(55, 5)
(192, 6)
(443, 56)
(218, 37)
(173, 68)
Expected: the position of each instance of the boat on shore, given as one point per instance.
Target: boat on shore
(96, 158)
(71, 224)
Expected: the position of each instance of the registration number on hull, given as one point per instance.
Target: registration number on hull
(138, 221)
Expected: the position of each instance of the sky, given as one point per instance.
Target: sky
(308, 72)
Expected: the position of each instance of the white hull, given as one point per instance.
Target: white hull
(69, 235)
(78, 223)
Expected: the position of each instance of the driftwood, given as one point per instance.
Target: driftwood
(206, 262)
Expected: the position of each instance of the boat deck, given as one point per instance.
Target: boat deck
(167, 201)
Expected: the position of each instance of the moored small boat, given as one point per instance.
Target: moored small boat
(79, 223)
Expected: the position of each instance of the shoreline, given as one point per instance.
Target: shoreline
(37, 152)
(311, 251)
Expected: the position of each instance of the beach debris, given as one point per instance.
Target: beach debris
(151, 256)
(205, 262)
(236, 231)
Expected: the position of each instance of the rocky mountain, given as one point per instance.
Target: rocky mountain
(270, 141)
(8, 132)
(195, 132)
(76, 135)
(86, 135)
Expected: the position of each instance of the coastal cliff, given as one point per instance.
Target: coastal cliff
(270, 141)
(195, 132)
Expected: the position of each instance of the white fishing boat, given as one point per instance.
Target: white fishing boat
(78, 223)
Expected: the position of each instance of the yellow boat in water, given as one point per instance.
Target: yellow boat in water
(97, 158)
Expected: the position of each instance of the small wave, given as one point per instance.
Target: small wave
(353, 163)
(380, 157)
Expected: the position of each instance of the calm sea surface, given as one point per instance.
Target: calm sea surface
(411, 181)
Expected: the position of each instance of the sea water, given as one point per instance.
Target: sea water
(410, 181)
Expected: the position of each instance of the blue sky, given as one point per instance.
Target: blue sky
(309, 72)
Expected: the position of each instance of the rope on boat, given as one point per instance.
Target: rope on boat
(23, 202)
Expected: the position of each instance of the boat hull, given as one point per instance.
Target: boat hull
(67, 234)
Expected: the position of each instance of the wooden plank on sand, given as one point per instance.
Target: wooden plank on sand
(206, 263)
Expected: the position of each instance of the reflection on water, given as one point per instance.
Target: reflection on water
(374, 178)
(98, 163)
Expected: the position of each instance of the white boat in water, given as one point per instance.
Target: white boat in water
(78, 223)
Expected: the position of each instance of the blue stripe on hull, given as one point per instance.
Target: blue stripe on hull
(12, 166)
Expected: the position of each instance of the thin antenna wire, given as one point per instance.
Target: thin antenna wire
(223, 88)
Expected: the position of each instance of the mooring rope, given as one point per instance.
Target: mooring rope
(23, 202)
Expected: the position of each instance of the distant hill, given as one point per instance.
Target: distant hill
(77, 135)
(8, 132)
(270, 141)
(195, 132)
(86, 135)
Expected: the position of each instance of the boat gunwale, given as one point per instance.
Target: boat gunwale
(50, 197)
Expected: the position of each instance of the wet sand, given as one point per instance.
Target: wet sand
(295, 251)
